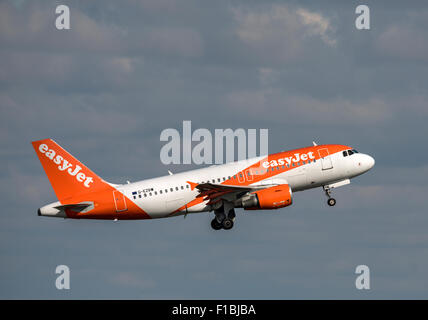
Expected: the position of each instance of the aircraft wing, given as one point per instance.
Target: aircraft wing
(217, 192)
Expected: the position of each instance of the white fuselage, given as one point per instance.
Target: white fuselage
(160, 197)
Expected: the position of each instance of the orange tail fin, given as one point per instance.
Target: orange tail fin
(67, 175)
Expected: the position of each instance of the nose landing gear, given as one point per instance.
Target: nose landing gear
(331, 201)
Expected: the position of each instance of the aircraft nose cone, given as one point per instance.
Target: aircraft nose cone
(370, 162)
(364, 163)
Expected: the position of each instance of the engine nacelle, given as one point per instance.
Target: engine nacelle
(270, 198)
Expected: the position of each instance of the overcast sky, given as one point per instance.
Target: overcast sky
(127, 70)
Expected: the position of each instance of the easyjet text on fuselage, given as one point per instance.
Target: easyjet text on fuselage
(288, 160)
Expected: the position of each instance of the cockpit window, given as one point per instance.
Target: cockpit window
(345, 154)
(350, 152)
(355, 151)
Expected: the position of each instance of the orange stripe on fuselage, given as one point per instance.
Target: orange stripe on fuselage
(104, 206)
(263, 173)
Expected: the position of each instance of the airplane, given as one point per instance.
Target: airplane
(260, 183)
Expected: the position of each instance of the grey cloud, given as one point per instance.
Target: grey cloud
(184, 42)
(278, 33)
(260, 104)
(34, 29)
(127, 279)
(403, 43)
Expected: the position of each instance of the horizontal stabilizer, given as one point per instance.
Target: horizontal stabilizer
(74, 206)
(57, 209)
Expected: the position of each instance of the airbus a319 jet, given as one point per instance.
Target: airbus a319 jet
(261, 183)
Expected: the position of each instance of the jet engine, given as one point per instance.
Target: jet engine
(270, 198)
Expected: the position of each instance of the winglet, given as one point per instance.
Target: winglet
(192, 184)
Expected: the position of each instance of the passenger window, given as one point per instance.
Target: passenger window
(224, 179)
(218, 180)
(139, 196)
(294, 164)
(171, 189)
(145, 195)
(229, 177)
(156, 193)
(187, 186)
(150, 194)
(176, 188)
(160, 191)
(166, 190)
(182, 188)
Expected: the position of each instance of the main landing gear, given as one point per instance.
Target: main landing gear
(223, 220)
(331, 201)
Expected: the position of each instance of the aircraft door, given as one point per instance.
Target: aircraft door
(325, 159)
(249, 175)
(241, 177)
(119, 200)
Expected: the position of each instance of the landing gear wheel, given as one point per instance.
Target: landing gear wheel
(331, 202)
(227, 224)
(215, 224)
